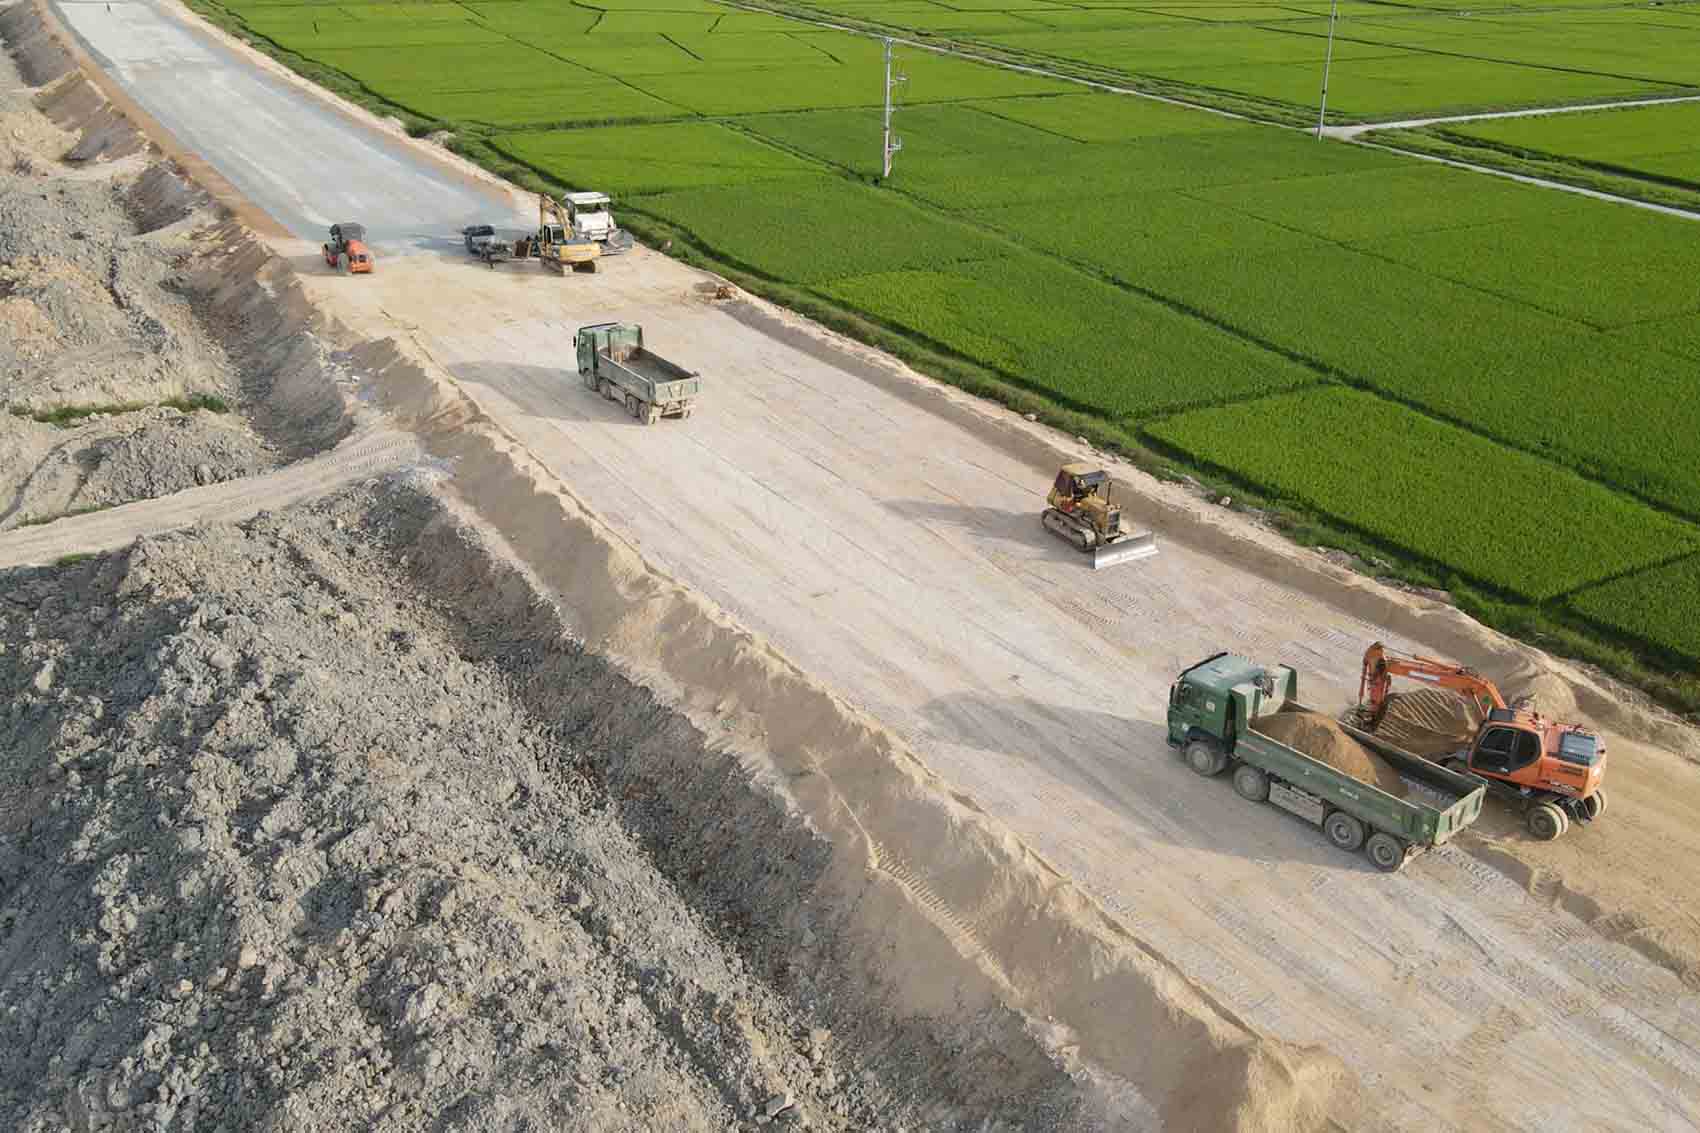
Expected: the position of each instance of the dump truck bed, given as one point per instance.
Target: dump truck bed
(1440, 803)
(649, 366)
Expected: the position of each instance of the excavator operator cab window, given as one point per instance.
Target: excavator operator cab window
(1505, 750)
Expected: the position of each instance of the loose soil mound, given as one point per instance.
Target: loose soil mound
(274, 853)
(1323, 739)
(110, 459)
(1429, 721)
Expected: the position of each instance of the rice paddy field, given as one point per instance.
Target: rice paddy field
(1490, 382)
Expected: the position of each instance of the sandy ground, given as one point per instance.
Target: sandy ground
(896, 553)
(901, 558)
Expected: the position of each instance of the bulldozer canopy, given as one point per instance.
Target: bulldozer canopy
(1087, 474)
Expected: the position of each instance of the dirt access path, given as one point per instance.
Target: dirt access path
(884, 534)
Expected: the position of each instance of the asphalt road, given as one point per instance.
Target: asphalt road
(302, 161)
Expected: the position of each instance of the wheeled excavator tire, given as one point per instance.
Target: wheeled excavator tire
(1546, 821)
(1079, 534)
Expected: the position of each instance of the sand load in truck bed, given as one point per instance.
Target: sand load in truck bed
(1325, 741)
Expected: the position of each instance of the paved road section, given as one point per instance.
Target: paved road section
(898, 556)
(302, 161)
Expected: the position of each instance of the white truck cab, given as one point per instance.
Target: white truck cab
(590, 215)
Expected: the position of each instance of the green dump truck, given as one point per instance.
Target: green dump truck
(1214, 710)
(612, 361)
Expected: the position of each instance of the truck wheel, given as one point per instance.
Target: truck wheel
(1594, 805)
(1251, 783)
(1344, 831)
(651, 415)
(1204, 758)
(608, 390)
(633, 407)
(1386, 851)
(588, 378)
(1546, 822)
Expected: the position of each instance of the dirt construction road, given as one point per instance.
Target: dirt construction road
(896, 552)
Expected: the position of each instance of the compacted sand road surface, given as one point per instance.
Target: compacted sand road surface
(898, 554)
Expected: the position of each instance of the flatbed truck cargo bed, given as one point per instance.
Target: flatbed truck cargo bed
(1214, 711)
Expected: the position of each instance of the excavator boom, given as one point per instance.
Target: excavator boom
(1382, 664)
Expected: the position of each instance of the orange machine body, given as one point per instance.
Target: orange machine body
(1515, 746)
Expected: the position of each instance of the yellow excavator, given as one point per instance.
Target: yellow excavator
(556, 246)
(1080, 511)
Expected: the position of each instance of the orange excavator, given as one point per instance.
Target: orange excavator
(1552, 770)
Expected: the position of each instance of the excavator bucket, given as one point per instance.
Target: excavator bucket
(1141, 546)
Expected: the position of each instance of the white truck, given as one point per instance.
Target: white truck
(591, 218)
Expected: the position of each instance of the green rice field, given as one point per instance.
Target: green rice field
(1490, 381)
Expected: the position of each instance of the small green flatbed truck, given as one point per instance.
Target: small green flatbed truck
(1214, 710)
(613, 361)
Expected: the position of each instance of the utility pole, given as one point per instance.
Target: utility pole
(890, 143)
(1327, 64)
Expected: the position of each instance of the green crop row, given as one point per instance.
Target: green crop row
(1086, 343)
(812, 229)
(1653, 141)
(678, 155)
(1657, 606)
(1529, 378)
(1385, 64)
(1497, 516)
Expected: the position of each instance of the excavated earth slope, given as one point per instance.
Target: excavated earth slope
(283, 849)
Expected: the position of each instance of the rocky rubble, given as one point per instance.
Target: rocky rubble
(273, 855)
(96, 312)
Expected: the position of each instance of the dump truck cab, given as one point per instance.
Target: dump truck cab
(1219, 695)
(478, 237)
(590, 216)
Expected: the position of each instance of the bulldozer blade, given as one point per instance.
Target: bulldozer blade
(1126, 551)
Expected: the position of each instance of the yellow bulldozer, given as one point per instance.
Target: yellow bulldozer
(1080, 511)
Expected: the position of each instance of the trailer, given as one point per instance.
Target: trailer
(1215, 707)
(612, 360)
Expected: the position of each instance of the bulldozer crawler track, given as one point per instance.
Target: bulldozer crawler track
(1079, 536)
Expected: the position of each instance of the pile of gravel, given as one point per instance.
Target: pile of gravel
(273, 855)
